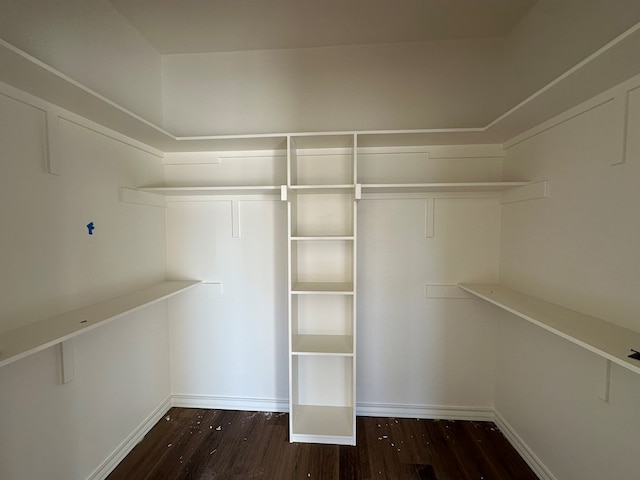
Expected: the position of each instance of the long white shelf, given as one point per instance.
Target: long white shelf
(603, 338)
(366, 188)
(215, 190)
(23, 341)
(440, 187)
(577, 84)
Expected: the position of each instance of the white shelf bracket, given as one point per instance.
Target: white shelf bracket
(429, 216)
(621, 102)
(130, 195)
(533, 191)
(67, 361)
(358, 191)
(235, 219)
(604, 382)
(283, 193)
(54, 162)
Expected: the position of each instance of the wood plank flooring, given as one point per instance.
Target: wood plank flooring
(220, 444)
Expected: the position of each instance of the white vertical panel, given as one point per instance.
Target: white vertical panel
(54, 160)
(67, 361)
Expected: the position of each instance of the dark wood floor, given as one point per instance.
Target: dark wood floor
(219, 444)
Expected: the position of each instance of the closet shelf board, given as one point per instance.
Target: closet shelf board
(598, 336)
(23, 341)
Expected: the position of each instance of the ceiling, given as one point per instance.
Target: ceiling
(198, 26)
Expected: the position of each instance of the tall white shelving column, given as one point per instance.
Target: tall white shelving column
(322, 279)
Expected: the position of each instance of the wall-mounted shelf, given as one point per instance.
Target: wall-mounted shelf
(23, 341)
(610, 65)
(440, 187)
(215, 190)
(602, 338)
(338, 189)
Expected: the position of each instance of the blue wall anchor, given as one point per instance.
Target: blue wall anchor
(90, 228)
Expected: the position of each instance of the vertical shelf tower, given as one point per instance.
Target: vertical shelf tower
(322, 196)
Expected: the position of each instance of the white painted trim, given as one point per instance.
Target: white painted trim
(112, 461)
(235, 219)
(522, 448)
(442, 412)
(54, 162)
(230, 403)
(429, 217)
(67, 361)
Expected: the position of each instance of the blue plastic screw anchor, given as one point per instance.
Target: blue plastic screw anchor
(90, 228)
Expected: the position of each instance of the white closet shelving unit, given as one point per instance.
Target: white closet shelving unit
(322, 208)
(324, 182)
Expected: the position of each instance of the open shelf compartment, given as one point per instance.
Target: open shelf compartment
(321, 160)
(322, 214)
(322, 324)
(322, 406)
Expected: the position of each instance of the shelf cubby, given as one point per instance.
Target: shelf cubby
(322, 214)
(322, 324)
(322, 261)
(321, 160)
(323, 399)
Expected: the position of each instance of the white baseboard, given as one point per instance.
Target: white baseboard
(522, 448)
(131, 441)
(436, 412)
(362, 409)
(230, 403)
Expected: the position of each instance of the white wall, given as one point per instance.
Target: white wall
(50, 265)
(578, 248)
(228, 338)
(418, 85)
(229, 341)
(89, 41)
(416, 355)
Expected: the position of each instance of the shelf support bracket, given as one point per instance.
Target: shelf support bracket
(604, 382)
(533, 191)
(235, 219)
(430, 211)
(54, 163)
(67, 361)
